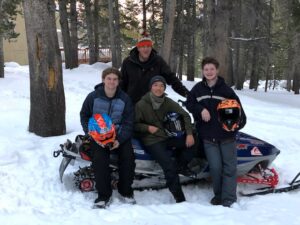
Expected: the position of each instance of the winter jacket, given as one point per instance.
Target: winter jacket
(119, 108)
(145, 115)
(202, 96)
(136, 75)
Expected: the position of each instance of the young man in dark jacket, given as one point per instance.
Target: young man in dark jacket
(108, 98)
(219, 144)
(150, 112)
(141, 65)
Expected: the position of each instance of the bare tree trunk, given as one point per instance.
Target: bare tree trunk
(296, 83)
(73, 34)
(63, 19)
(174, 58)
(47, 98)
(96, 29)
(112, 33)
(90, 31)
(1, 57)
(254, 69)
(235, 44)
(294, 44)
(1, 45)
(168, 29)
(181, 40)
(117, 35)
(177, 37)
(296, 60)
(191, 16)
(288, 70)
(216, 42)
(144, 26)
(268, 52)
(152, 25)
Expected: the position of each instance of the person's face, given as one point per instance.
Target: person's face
(210, 72)
(111, 81)
(158, 88)
(144, 52)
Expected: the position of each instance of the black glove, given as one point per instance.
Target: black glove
(86, 137)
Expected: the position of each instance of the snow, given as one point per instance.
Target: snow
(31, 192)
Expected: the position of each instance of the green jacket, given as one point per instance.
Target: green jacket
(145, 115)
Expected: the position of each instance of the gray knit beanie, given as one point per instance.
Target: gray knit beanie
(157, 78)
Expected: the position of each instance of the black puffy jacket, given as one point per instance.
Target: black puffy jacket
(136, 75)
(202, 96)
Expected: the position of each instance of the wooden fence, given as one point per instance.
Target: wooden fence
(83, 55)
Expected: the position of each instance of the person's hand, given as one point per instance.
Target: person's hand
(189, 140)
(116, 144)
(86, 138)
(152, 129)
(205, 115)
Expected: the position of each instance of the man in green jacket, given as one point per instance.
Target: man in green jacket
(151, 111)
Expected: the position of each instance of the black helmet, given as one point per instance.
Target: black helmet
(229, 114)
(174, 124)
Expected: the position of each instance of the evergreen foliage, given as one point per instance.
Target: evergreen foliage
(8, 13)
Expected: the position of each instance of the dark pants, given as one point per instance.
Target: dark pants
(182, 154)
(126, 164)
(222, 160)
(163, 153)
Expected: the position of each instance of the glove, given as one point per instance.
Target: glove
(86, 138)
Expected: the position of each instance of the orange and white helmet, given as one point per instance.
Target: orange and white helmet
(229, 114)
(102, 130)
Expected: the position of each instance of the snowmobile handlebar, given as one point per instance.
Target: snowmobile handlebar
(182, 102)
(57, 152)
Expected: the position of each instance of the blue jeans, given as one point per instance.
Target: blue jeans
(222, 160)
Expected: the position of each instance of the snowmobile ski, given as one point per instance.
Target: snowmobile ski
(62, 167)
(68, 156)
(295, 184)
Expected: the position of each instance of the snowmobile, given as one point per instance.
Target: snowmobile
(254, 157)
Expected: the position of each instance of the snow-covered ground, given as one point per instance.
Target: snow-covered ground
(31, 193)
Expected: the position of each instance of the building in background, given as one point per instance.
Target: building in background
(15, 50)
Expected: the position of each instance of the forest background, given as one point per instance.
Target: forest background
(253, 40)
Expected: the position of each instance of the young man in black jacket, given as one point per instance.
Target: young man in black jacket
(141, 65)
(108, 98)
(219, 144)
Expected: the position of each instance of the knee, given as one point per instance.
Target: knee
(169, 169)
(215, 168)
(230, 171)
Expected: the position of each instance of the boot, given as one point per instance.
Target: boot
(179, 196)
(101, 203)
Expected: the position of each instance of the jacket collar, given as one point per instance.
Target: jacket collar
(99, 88)
(219, 82)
